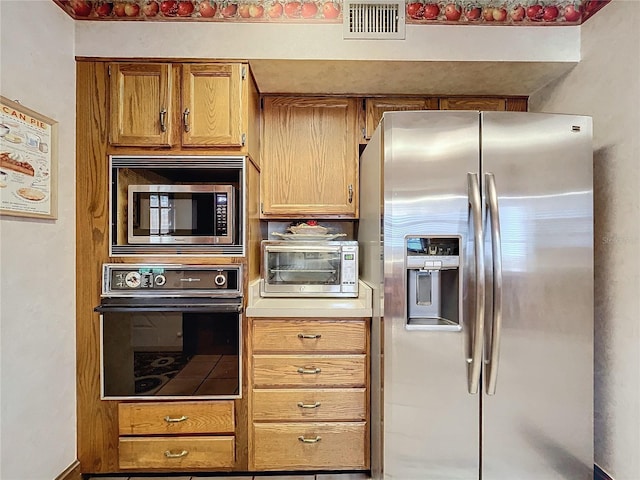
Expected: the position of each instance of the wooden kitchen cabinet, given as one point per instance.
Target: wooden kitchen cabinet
(515, 104)
(375, 107)
(184, 105)
(309, 157)
(176, 435)
(309, 394)
(141, 104)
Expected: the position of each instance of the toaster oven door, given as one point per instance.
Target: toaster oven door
(304, 270)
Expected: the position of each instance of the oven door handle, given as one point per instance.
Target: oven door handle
(170, 308)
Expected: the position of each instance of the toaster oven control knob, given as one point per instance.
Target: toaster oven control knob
(132, 279)
(160, 280)
(220, 279)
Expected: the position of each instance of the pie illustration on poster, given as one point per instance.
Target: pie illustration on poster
(27, 162)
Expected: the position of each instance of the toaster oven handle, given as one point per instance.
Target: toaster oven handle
(302, 249)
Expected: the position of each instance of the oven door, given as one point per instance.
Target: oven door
(171, 348)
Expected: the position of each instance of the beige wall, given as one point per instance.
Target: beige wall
(606, 85)
(37, 258)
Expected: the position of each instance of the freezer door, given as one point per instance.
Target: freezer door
(538, 422)
(431, 421)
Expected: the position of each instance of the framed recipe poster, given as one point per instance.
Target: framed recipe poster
(28, 162)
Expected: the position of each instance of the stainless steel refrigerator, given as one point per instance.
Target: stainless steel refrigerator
(476, 234)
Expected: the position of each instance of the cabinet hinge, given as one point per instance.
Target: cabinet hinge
(243, 139)
(244, 73)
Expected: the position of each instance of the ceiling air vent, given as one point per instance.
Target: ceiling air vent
(374, 19)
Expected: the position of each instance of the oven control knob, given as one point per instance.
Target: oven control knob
(160, 280)
(220, 279)
(132, 279)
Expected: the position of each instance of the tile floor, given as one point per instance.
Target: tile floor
(323, 476)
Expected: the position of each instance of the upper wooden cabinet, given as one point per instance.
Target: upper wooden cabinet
(141, 106)
(309, 157)
(516, 104)
(212, 105)
(375, 107)
(188, 105)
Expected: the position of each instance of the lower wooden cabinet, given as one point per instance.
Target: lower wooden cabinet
(309, 407)
(310, 446)
(176, 453)
(309, 404)
(176, 435)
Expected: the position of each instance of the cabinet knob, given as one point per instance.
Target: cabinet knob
(185, 120)
(309, 405)
(309, 440)
(350, 193)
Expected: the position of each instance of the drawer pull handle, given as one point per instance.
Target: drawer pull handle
(311, 336)
(181, 454)
(168, 419)
(309, 405)
(309, 440)
(309, 371)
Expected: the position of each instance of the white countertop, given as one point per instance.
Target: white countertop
(309, 307)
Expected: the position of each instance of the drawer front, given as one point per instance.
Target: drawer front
(164, 418)
(308, 336)
(338, 404)
(176, 453)
(309, 370)
(309, 446)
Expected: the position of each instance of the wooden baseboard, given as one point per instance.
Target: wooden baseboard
(599, 474)
(72, 472)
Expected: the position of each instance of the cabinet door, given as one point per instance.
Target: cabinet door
(471, 103)
(140, 104)
(310, 157)
(211, 104)
(375, 107)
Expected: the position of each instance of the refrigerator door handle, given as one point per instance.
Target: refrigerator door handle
(496, 253)
(474, 367)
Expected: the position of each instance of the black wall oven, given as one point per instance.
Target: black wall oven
(171, 332)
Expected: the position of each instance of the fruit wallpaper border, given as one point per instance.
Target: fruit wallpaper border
(424, 12)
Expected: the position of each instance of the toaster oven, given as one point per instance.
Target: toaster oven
(309, 269)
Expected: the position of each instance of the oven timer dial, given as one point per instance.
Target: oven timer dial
(132, 280)
(160, 280)
(220, 279)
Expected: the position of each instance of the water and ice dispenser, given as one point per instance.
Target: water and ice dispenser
(434, 283)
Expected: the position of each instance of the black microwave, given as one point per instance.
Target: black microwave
(181, 214)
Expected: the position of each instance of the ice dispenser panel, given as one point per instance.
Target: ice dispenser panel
(434, 288)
